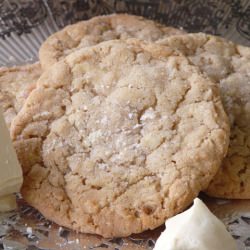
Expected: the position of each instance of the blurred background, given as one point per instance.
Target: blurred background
(25, 24)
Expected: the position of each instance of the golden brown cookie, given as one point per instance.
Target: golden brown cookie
(228, 65)
(120, 136)
(15, 85)
(99, 29)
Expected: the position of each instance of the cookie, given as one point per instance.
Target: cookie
(228, 65)
(98, 29)
(15, 85)
(118, 137)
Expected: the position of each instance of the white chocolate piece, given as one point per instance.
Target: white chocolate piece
(195, 229)
(8, 203)
(10, 171)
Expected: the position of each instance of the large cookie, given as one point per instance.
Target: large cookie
(227, 64)
(99, 29)
(15, 85)
(118, 137)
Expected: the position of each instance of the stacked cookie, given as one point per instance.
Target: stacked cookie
(126, 124)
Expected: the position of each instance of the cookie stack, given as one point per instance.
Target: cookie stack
(123, 124)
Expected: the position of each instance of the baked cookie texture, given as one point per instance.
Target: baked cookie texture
(15, 85)
(99, 29)
(228, 65)
(118, 137)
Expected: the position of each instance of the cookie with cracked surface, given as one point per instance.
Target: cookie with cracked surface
(15, 85)
(227, 64)
(99, 29)
(121, 136)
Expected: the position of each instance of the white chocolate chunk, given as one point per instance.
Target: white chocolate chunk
(195, 229)
(7, 203)
(10, 171)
